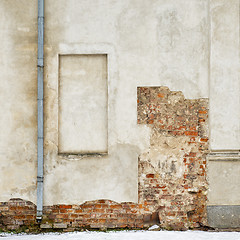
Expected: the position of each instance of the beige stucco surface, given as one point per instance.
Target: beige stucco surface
(152, 43)
(18, 91)
(224, 75)
(83, 104)
(224, 182)
(141, 51)
(224, 176)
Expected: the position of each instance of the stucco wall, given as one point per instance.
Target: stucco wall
(224, 97)
(224, 178)
(224, 75)
(18, 94)
(148, 43)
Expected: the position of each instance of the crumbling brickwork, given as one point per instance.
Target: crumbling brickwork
(172, 175)
(100, 214)
(16, 213)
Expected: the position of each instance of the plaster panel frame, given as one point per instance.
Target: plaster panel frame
(91, 49)
(223, 179)
(82, 152)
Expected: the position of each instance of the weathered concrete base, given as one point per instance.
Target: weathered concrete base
(224, 216)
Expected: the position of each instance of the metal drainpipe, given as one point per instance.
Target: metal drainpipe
(40, 66)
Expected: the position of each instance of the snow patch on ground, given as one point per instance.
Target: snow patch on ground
(128, 235)
(154, 228)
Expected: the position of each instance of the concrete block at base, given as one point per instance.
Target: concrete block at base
(224, 216)
(45, 226)
(59, 225)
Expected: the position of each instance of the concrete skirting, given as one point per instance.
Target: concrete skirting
(224, 216)
(221, 155)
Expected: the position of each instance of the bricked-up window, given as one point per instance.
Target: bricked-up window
(83, 104)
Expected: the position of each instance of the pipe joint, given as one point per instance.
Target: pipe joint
(39, 179)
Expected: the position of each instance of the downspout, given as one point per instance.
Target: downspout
(40, 66)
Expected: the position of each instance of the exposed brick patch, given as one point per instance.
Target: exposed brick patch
(16, 213)
(99, 214)
(172, 173)
(171, 113)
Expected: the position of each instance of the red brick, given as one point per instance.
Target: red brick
(78, 211)
(99, 210)
(160, 95)
(63, 211)
(191, 133)
(150, 175)
(101, 221)
(30, 217)
(115, 206)
(98, 205)
(20, 217)
(65, 206)
(202, 112)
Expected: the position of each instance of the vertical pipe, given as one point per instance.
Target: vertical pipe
(40, 66)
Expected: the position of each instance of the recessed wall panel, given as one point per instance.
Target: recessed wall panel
(224, 75)
(83, 101)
